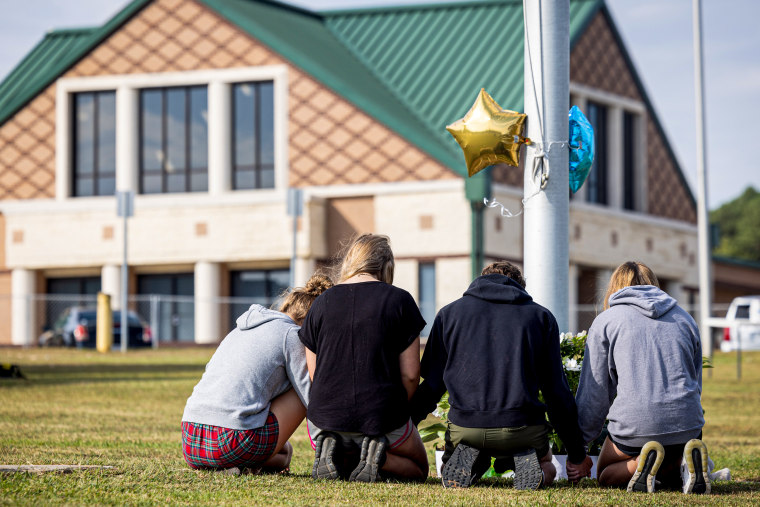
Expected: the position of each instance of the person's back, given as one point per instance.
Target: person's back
(642, 370)
(655, 353)
(494, 349)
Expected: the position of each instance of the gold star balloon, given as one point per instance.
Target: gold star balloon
(489, 135)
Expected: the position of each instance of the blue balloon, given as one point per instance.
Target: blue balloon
(581, 148)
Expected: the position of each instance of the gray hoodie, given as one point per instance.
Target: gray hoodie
(642, 370)
(259, 360)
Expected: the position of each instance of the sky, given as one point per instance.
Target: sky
(658, 35)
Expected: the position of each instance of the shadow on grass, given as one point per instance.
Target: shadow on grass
(76, 374)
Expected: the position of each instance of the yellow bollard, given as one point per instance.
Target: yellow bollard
(104, 330)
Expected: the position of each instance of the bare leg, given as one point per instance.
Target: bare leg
(550, 471)
(408, 460)
(290, 412)
(280, 460)
(615, 468)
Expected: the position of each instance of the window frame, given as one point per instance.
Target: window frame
(219, 83)
(97, 174)
(258, 166)
(188, 170)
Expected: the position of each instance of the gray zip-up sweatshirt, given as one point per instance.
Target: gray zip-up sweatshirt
(642, 370)
(259, 360)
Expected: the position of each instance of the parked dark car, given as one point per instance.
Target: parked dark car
(76, 327)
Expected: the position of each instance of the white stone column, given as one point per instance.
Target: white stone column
(304, 270)
(207, 310)
(127, 139)
(219, 136)
(572, 299)
(23, 310)
(110, 283)
(615, 157)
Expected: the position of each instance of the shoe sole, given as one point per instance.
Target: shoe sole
(650, 460)
(371, 459)
(528, 472)
(457, 472)
(324, 466)
(695, 454)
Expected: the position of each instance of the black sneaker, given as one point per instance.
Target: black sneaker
(324, 457)
(528, 472)
(462, 470)
(650, 460)
(694, 471)
(371, 459)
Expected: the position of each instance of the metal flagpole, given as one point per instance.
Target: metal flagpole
(703, 224)
(547, 96)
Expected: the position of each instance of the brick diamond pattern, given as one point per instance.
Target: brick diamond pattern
(667, 195)
(597, 62)
(27, 154)
(331, 141)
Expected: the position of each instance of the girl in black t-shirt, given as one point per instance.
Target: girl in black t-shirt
(362, 351)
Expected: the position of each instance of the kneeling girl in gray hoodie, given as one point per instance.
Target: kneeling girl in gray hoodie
(254, 392)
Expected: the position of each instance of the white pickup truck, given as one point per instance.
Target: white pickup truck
(742, 325)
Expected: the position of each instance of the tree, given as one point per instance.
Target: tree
(738, 222)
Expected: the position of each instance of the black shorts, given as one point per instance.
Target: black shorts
(670, 450)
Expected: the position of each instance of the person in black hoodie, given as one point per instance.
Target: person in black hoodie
(494, 349)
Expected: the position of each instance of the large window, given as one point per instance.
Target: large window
(253, 135)
(427, 295)
(175, 309)
(596, 183)
(94, 144)
(173, 140)
(629, 160)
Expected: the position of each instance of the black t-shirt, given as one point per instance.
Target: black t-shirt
(358, 331)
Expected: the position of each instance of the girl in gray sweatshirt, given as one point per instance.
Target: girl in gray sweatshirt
(253, 394)
(642, 370)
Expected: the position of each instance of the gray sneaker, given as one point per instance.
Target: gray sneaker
(324, 457)
(371, 460)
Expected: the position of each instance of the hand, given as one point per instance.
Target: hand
(577, 472)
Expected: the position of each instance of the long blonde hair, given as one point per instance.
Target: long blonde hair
(628, 274)
(298, 301)
(371, 254)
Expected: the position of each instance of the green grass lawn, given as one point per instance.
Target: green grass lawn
(81, 407)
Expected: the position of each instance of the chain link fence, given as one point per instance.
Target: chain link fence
(171, 319)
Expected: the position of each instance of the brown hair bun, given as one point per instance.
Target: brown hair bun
(317, 284)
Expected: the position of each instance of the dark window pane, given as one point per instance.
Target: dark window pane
(106, 133)
(176, 182)
(84, 187)
(267, 178)
(266, 123)
(152, 132)
(106, 186)
(244, 180)
(85, 127)
(198, 128)
(244, 135)
(151, 183)
(176, 112)
(629, 161)
(198, 182)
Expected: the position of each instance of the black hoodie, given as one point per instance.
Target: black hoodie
(493, 350)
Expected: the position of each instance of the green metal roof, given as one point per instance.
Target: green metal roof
(436, 57)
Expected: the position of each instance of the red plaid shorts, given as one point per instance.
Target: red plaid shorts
(206, 446)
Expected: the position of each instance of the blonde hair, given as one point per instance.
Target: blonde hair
(371, 254)
(298, 301)
(628, 274)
